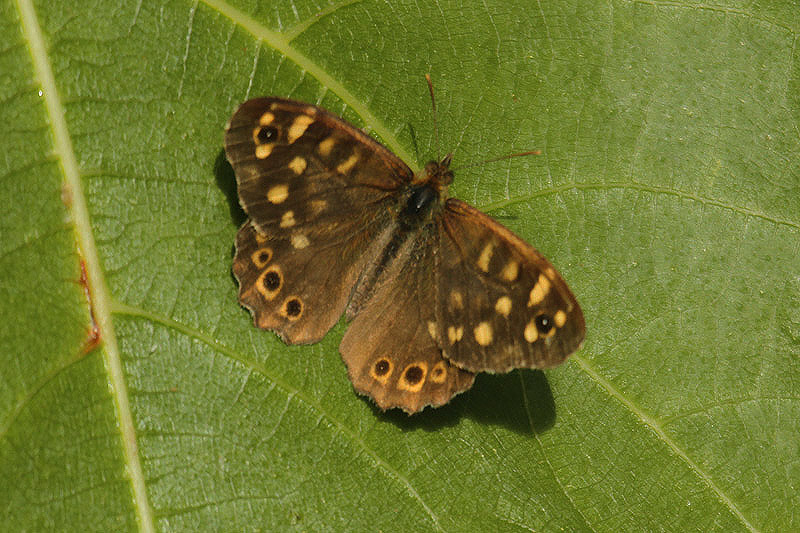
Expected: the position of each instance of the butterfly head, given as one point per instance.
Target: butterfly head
(437, 174)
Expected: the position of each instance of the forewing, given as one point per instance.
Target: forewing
(391, 347)
(318, 192)
(500, 303)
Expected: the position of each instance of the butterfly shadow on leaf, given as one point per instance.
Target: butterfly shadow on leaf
(521, 401)
(226, 181)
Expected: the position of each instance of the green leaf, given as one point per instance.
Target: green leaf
(667, 193)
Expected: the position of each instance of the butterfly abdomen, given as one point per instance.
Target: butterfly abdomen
(399, 242)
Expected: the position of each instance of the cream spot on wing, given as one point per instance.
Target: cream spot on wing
(550, 272)
(300, 241)
(531, 332)
(454, 334)
(298, 127)
(266, 119)
(298, 165)
(318, 206)
(483, 334)
(432, 329)
(485, 257)
(324, 148)
(287, 220)
(503, 305)
(560, 318)
(539, 291)
(510, 271)
(278, 193)
(263, 150)
(456, 300)
(347, 165)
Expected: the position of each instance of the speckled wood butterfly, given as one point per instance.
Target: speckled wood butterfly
(435, 291)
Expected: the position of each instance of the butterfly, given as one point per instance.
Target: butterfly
(434, 290)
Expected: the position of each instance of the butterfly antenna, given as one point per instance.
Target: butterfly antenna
(435, 121)
(501, 158)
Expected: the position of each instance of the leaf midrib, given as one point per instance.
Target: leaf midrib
(98, 289)
(279, 43)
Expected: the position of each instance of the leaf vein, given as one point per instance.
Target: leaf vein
(641, 187)
(656, 427)
(280, 43)
(293, 392)
(544, 453)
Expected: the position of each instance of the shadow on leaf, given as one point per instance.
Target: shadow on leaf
(520, 400)
(494, 399)
(226, 181)
(429, 419)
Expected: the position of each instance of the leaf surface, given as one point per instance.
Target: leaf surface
(667, 193)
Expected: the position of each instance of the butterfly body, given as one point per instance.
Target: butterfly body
(434, 290)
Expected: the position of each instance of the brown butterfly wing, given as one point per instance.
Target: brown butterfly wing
(391, 347)
(317, 191)
(500, 303)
